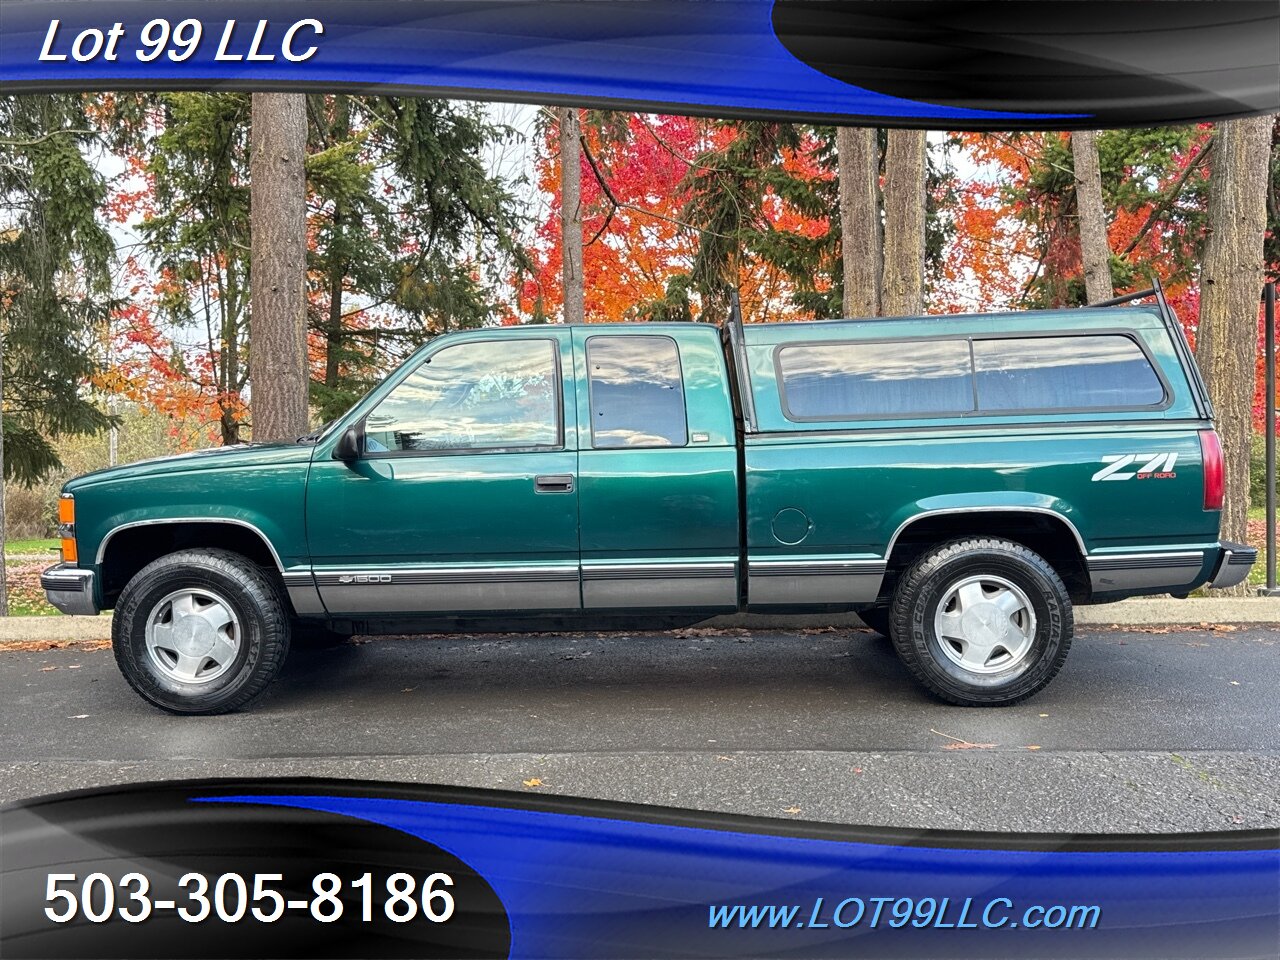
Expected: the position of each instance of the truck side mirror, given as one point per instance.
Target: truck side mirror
(347, 449)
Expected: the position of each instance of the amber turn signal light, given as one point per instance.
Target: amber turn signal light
(67, 528)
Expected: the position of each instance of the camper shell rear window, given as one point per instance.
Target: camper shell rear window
(998, 375)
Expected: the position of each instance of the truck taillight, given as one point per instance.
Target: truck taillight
(67, 527)
(1211, 458)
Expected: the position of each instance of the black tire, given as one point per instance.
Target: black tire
(877, 618)
(930, 582)
(259, 633)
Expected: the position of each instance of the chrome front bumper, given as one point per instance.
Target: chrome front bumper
(1233, 567)
(70, 589)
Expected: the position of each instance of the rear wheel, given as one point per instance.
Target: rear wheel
(200, 632)
(982, 622)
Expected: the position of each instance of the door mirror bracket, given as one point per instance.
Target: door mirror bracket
(347, 449)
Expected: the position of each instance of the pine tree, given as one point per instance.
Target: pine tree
(411, 235)
(197, 155)
(55, 278)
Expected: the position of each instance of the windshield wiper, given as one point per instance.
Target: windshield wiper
(313, 437)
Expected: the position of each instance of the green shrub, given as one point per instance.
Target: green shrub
(30, 511)
(1258, 471)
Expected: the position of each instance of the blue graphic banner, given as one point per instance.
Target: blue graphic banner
(1016, 63)
(369, 870)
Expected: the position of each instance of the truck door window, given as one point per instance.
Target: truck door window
(858, 379)
(1064, 373)
(637, 392)
(479, 395)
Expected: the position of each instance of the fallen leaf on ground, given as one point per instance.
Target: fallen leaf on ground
(1034, 746)
(792, 810)
(47, 669)
(532, 782)
(960, 744)
(35, 646)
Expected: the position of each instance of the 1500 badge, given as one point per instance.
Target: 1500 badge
(1157, 466)
(365, 578)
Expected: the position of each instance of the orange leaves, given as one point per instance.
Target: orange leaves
(633, 251)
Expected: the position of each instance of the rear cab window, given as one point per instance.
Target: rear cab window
(636, 392)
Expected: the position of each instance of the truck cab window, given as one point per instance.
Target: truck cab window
(486, 394)
(637, 392)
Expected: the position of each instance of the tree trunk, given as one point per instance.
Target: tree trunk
(334, 329)
(1230, 282)
(860, 241)
(902, 290)
(1092, 218)
(571, 214)
(4, 488)
(278, 317)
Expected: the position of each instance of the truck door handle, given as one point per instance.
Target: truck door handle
(554, 483)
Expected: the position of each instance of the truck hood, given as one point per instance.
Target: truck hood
(216, 458)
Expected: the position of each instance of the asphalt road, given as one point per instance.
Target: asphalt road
(1142, 731)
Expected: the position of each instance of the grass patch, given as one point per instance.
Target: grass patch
(35, 545)
(30, 608)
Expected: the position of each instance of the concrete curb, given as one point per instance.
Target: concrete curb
(1145, 611)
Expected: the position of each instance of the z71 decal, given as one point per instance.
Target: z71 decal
(1157, 466)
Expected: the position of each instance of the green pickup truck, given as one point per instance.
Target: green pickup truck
(958, 481)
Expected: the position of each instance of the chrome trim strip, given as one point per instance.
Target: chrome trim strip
(950, 510)
(1136, 561)
(658, 570)
(422, 576)
(66, 578)
(815, 568)
(102, 547)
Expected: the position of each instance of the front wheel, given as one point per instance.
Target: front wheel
(982, 622)
(200, 632)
